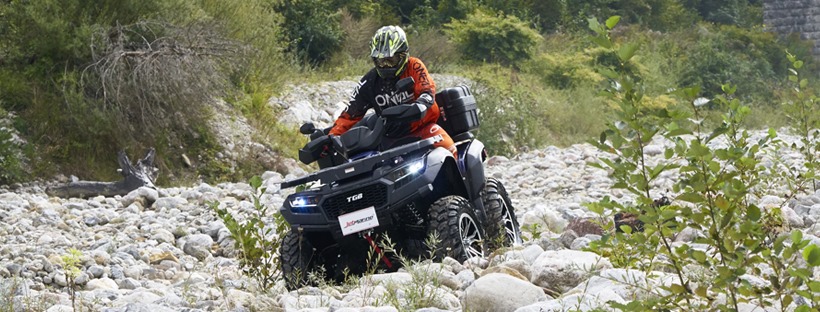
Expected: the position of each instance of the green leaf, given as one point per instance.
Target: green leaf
(595, 26)
(603, 42)
(627, 51)
(722, 203)
(701, 291)
(804, 83)
(797, 64)
(691, 197)
(255, 182)
(814, 286)
(811, 254)
(699, 256)
(612, 21)
(753, 212)
(803, 308)
(606, 72)
(797, 236)
(677, 289)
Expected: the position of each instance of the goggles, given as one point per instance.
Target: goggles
(388, 62)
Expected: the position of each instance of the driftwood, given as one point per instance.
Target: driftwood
(135, 176)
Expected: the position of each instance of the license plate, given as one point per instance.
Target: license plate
(358, 221)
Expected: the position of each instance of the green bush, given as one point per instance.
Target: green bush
(313, 28)
(256, 237)
(749, 59)
(563, 70)
(714, 196)
(485, 37)
(517, 113)
(11, 166)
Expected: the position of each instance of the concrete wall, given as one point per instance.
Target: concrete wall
(794, 16)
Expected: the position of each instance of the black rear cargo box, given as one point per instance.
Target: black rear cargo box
(459, 112)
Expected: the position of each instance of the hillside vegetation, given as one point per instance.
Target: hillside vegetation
(81, 80)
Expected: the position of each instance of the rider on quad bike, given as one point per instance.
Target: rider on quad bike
(396, 173)
(377, 90)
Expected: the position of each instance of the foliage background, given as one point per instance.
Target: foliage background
(539, 85)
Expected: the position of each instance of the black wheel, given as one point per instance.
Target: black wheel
(502, 225)
(297, 258)
(457, 227)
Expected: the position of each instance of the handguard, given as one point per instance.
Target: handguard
(404, 112)
(314, 149)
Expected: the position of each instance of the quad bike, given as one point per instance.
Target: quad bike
(407, 192)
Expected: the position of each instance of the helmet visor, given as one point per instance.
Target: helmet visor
(387, 62)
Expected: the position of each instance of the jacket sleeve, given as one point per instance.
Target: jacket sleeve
(356, 108)
(425, 88)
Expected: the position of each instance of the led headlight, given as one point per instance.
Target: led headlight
(411, 169)
(303, 203)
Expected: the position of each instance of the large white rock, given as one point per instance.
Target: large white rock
(199, 246)
(612, 285)
(102, 283)
(498, 292)
(564, 269)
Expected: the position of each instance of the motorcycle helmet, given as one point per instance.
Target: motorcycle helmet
(388, 49)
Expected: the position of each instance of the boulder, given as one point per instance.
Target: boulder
(499, 293)
(564, 269)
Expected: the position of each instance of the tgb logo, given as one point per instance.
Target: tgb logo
(354, 198)
(397, 98)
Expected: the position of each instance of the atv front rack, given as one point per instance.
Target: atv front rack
(365, 165)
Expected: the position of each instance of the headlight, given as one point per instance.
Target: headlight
(304, 202)
(411, 169)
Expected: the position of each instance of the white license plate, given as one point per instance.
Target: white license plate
(358, 221)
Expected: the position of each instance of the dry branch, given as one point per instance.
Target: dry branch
(134, 176)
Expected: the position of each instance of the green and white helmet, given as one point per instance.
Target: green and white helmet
(389, 51)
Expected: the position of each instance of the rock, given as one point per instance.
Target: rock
(564, 269)
(60, 308)
(81, 279)
(584, 226)
(567, 238)
(240, 298)
(499, 293)
(145, 196)
(396, 278)
(102, 283)
(198, 246)
(580, 243)
(503, 269)
(169, 203)
(129, 283)
(96, 271)
(163, 236)
(163, 256)
(792, 218)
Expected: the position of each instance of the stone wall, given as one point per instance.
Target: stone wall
(794, 16)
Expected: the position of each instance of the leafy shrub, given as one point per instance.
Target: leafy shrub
(312, 27)
(357, 34)
(484, 37)
(715, 195)
(433, 48)
(804, 115)
(11, 167)
(508, 112)
(517, 113)
(255, 239)
(563, 70)
(745, 58)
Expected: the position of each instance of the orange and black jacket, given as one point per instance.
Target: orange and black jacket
(379, 93)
